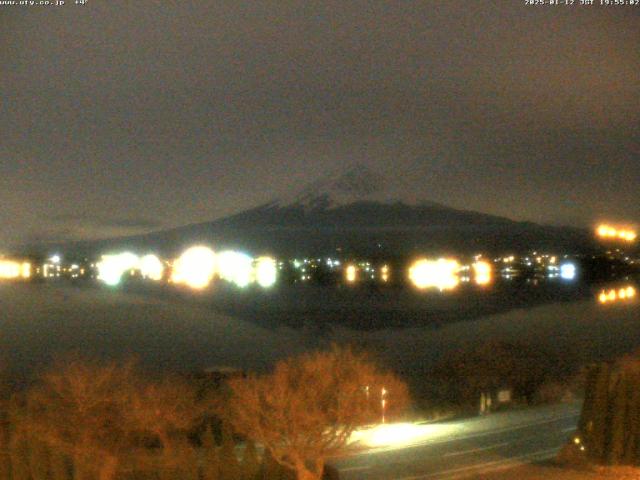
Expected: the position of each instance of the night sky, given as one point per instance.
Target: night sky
(122, 117)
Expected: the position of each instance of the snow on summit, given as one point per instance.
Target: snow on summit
(359, 183)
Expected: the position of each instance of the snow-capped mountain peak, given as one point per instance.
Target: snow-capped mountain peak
(357, 184)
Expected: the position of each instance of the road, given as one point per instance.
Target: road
(453, 450)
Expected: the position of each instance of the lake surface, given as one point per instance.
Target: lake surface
(39, 322)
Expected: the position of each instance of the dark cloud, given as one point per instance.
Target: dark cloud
(187, 112)
(64, 227)
(105, 222)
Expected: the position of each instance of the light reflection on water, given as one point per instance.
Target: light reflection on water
(617, 294)
(410, 329)
(578, 332)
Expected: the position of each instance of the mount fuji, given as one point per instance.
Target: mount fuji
(354, 213)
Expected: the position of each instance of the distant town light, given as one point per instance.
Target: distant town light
(384, 273)
(351, 273)
(112, 267)
(482, 272)
(568, 271)
(613, 295)
(441, 273)
(266, 272)
(235, 267)
(11, 270)
(25, 270)
(195, 267)
(607, 232)
(151, 267)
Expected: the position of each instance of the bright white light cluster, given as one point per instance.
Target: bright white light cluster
(112, 267)
(235, 267)
(151, 267)
(441, 274)
(266, 271)
(198, 266)
(195, 267)
(402, 435)
(482, 271)
(242, 270)
(568, 271)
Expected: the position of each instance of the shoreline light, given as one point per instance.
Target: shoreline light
(614, 295)
(12, 270)
(384, 273)
(441, 274)
(25, 270)
(266, 271)
(351, 274)
(568, 271)
(112, 267)
(482, 271)
(195, 268)
(151, 267)
(235, 267)
(609, 232)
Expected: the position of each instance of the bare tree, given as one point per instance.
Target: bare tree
(307, 409)
(164, 411)
(110, 418)
(78, 409)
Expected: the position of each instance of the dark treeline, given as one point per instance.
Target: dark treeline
(531, 373)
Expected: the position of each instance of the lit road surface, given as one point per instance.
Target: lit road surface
(464, 448)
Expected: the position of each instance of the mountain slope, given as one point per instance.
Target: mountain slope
(353, 213)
